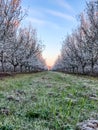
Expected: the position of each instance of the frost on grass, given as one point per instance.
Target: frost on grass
(4, 111)
(16, 95)
(88, 125)
(48, 102)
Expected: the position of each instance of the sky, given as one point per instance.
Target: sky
(53, 20)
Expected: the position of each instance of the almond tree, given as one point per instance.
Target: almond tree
(32, 47)
(91, 32)
(58, 65)
(10, 17)
(24, 49)
(80, 49)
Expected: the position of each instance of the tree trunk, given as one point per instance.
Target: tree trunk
(77, 69)
(2, 61)
(26, 68)
(73, 69)
(92, 67)
(83, 69)
(15, 67)
(2, 64)
(21, 68)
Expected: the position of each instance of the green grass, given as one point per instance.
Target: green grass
(47, 101)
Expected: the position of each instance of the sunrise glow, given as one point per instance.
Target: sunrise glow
(53, 20)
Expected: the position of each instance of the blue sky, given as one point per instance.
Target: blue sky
(53, 20)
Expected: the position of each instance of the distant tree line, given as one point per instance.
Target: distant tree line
(20, 49)
(79, 53)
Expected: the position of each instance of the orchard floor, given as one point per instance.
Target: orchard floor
(47, 101)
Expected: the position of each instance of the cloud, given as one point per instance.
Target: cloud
(37, 12)
(42, 22)
(61, 15)
(65, 5)
(35, 21)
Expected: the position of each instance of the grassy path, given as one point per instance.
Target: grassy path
(47, 101)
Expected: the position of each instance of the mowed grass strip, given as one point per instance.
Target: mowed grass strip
(47, 101)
